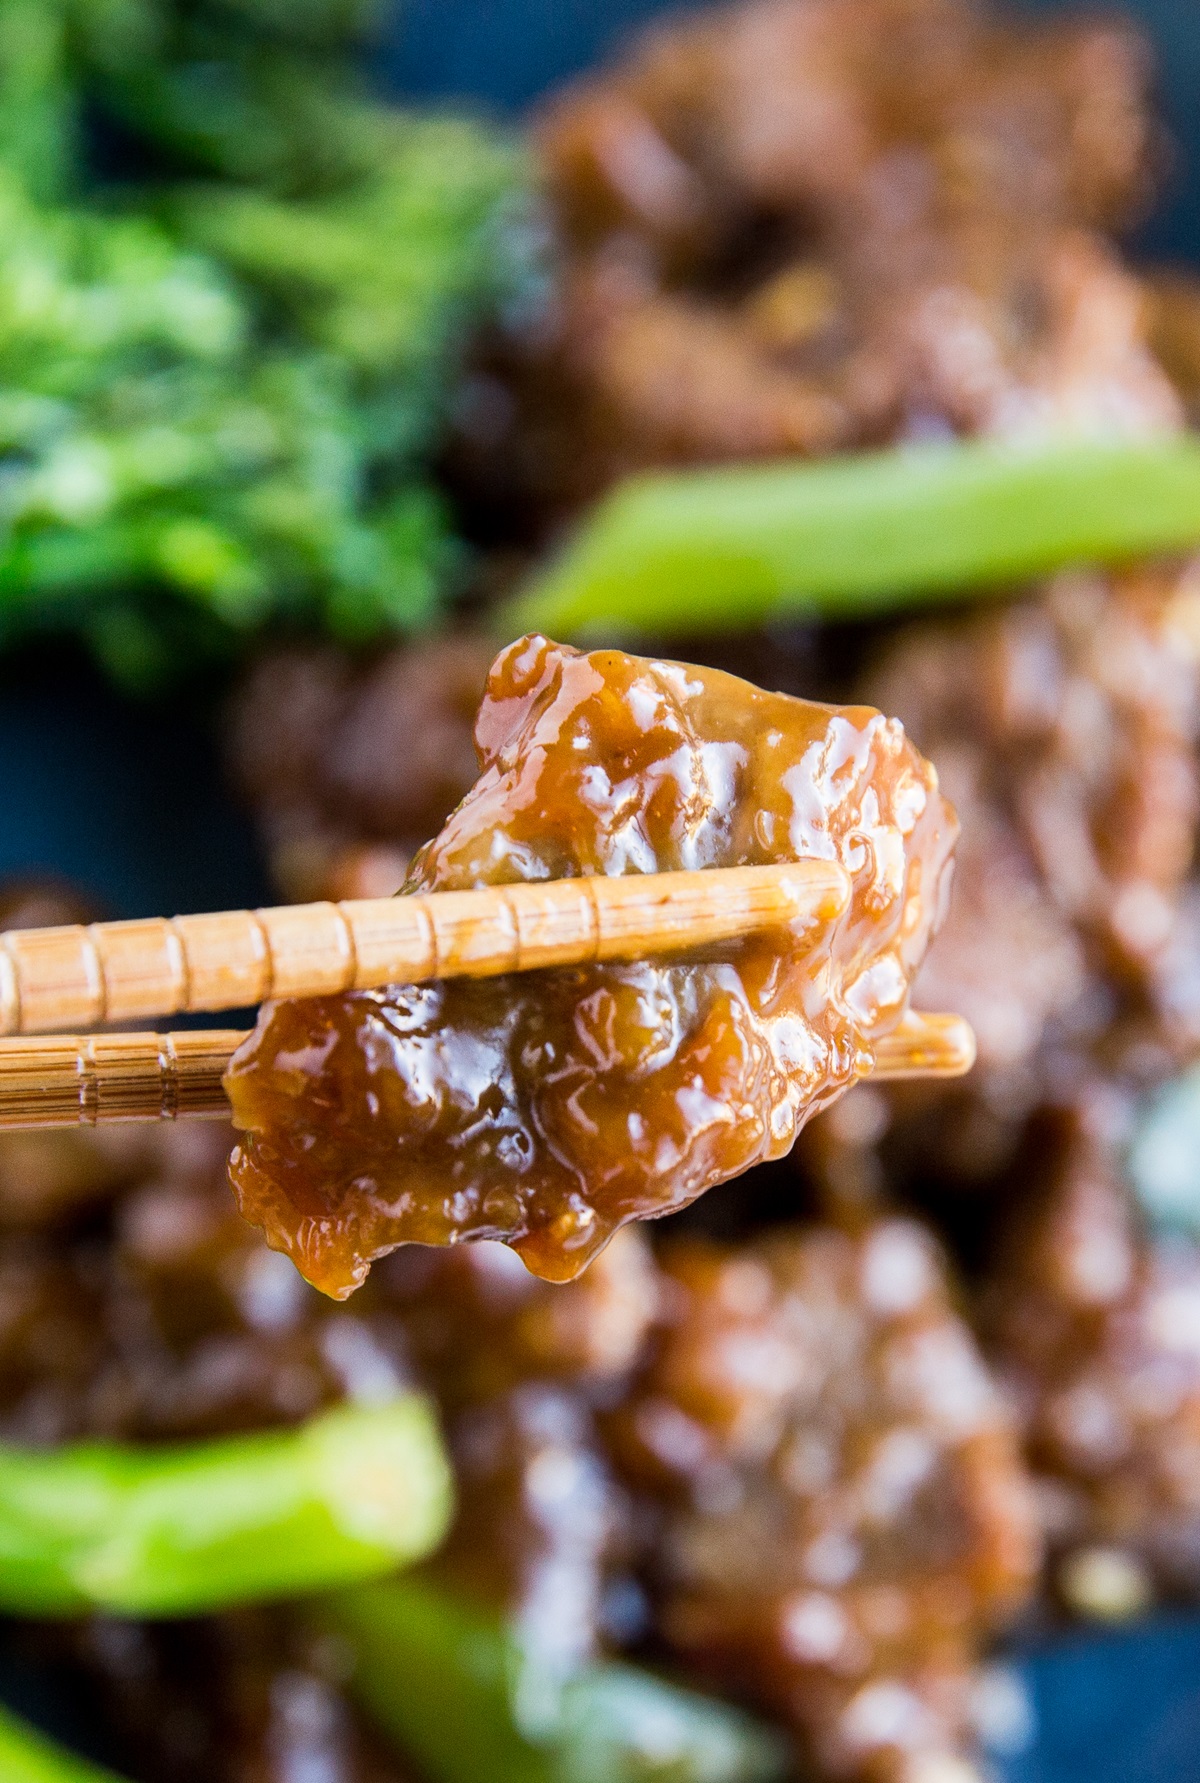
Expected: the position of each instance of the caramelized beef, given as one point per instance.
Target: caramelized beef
(478, 1325)
(541, 1525)
(797, 226)
(542, 1529)
(549, 1109)
(1096, 1326)
(160, 1315)
(1077, 717)
(1173, 300)
(247, 1698)
(1064, 730)
(846, 1516)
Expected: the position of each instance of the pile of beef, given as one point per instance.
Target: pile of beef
(820, 1463)
(781, 1463)
(803, 227)
(822, 1439)
(799, 227)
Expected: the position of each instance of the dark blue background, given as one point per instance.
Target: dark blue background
(126, 802)
(508, 51)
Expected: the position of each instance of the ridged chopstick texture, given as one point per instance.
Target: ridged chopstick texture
(925, 1045)
(78, 976)
(67, 1080)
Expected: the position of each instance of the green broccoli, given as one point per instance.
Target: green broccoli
(220, 382)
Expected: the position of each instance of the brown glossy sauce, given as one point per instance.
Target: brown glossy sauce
(548, 1109)
(1091, 1320)
(846, 1519)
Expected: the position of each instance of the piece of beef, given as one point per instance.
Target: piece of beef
(1095, 1326)
(551, 1108)
(1064, 731)
(350, 768)
(797, 226)
(845, 1517)
(160, 1315)
(251, 1697)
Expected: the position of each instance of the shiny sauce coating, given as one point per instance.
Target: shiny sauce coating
(549, 1108)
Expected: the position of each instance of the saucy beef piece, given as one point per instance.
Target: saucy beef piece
(1094, 1325)
(1080, 715)
(549, 1109)
(1064, 731)
(541, 1529)
(162, 1315)
(46, 1175)
(171, 1317)
(846, 1516)
(801, 225)
(166, 1316)
(477, 1324)
(403, 722)
(520, 1366)
(349, 769)
(152, 1314)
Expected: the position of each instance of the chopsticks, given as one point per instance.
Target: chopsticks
(122, 971)
(68, 1080)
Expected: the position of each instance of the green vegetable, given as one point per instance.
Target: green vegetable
(219, 387)
(1164, 1155)
(170, 1531)
(27, 1756)
(713, 550)
(445, 1682)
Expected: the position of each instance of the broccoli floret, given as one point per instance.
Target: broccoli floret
(222, 373)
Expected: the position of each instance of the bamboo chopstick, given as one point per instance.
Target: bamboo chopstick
(70, 1080)
(81, 1080)
(122, 971)
(925, 1045)
(118, 971)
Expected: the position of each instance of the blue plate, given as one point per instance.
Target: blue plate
(1115, 1708)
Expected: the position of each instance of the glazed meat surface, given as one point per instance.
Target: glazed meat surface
(521, 1367)
(1093, 1322)
(784, 1467)
(747, 1453)
(846, 1516)
(1064, 731)
(152, 1312)
(548, 1110)
(1075, 715)
(1174, 310)
(798, 226)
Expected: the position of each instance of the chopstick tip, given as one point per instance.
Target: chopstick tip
(926, 1045)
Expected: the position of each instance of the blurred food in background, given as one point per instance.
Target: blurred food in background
(234, 287)
(804, 228)
(351, 767)
(818, 1445)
